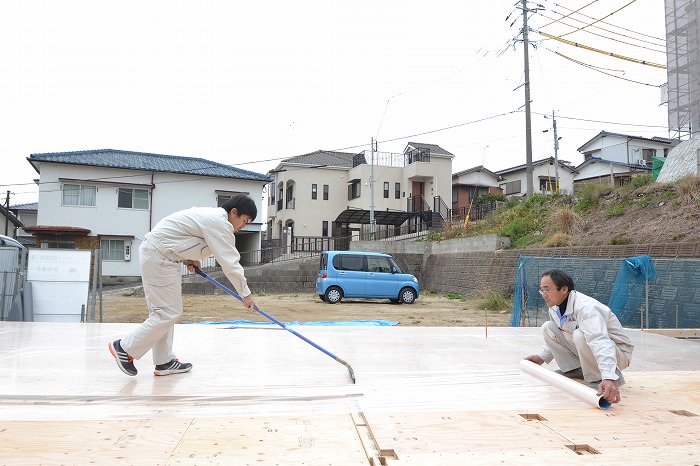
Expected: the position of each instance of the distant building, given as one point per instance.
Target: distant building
(26, 213)
(513, 181)
(324, 193)
(109, 199)
(469, 184)
(614, 159)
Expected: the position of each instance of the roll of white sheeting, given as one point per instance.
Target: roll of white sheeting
(571, 387)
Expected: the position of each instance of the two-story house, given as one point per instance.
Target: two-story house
(467, 185)
(320, 193)
(513, 180)
(109, 199)
(613, 158)
(26, 213)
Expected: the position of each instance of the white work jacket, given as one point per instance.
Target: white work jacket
(199, 233)
(601, 329)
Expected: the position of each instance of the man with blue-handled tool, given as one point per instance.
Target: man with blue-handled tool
(188, 236)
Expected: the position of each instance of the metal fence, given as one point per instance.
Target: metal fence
(13, 271)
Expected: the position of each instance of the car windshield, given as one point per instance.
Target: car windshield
(395, 265)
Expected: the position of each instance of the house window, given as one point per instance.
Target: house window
(386, 190)
(132, 198)
(547, 185)
(324, 228)
(647, 154)
(314, 191)
(57, 242)
(112, 249)
(79, 194)
(325, 192)
(397, 190)
(272, 194)
(512, 187)
(354, 190)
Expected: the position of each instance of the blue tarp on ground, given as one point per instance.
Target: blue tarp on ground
(345, 323)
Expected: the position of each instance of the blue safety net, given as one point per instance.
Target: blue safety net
(631, 286)
(643, 292)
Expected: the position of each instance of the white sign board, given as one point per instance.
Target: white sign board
(60, 280)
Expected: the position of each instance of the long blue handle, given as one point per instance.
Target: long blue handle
(268, 316)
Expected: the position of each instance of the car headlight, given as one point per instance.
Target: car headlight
(415, 280)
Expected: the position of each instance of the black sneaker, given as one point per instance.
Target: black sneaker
(124, 361)
(172, 367)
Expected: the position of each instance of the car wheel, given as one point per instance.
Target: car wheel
(407, 295)
(334, 295)
(322, 296)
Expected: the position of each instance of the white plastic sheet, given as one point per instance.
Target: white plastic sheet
(569, 386)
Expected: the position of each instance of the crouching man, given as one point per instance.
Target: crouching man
(583, 335)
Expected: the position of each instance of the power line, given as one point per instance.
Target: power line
(610, 24)
(601, 19)
(617, 40)
(600, 70)
(610, 54)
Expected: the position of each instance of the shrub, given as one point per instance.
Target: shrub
(688, 189)
(490, 197)
(615, 211)
(557, 240)
(434, 236)
(493, 301)
(590, 195)
(567, 219)
(620, 238)
(639, 181)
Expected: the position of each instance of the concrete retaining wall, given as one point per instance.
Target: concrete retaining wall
(462, 266)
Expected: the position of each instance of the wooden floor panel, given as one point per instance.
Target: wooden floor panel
(424, 396)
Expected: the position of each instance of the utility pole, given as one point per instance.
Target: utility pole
(556, 155)
(371, 188)
(528, 122)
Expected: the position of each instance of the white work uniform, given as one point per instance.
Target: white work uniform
(589, 336)
(193, 234)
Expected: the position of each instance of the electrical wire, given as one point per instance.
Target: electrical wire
(610, 24)
(600, 70)
(601, 19)
(610, 54)
(616, 40)
(572, 12)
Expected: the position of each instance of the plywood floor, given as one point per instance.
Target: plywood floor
(424, 396)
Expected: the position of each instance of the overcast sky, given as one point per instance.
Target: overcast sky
(249, 83)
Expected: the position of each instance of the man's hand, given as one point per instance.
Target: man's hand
(608, 388)
(249, 302)
(534, 358)
(191, 265)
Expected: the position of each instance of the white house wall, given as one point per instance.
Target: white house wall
(308, 214)
(623, 149)
(172, 192)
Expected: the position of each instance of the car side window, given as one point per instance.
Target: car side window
(349, 262)
(378, 264)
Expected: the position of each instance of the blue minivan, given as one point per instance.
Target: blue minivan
(353, 274)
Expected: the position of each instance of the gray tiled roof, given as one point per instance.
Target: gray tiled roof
(28, 206)
(537, 163)
(151, 162)
(324, 158)
(434, 148)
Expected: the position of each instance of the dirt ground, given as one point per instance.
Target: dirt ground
(428, 310)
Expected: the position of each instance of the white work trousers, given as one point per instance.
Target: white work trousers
(571, 351)
(162, 285)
